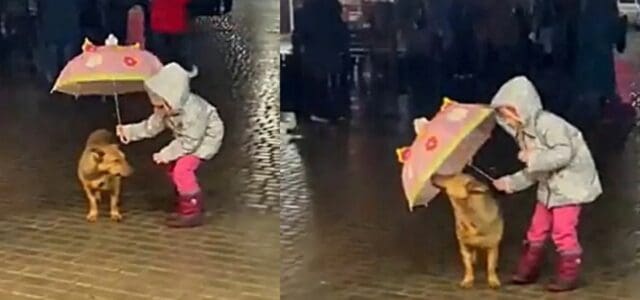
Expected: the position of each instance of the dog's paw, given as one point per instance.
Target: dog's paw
(494, 283)
(92, 216)
(466, 283)
(116, 216)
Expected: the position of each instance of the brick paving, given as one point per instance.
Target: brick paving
(49, 252)
(346, 233)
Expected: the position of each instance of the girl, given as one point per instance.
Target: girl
(198, 132)
(558, 160)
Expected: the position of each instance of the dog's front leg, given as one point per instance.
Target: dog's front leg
(467, 260)
(93, 197)
(115, 199)
(492, 266)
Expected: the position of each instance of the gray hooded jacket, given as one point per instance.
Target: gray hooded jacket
(560, 161)
(197, 128)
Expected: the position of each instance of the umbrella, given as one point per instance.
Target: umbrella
(444, 145)
(107, 70)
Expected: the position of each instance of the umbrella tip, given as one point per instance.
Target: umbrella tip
(112, 40)
(446, 101)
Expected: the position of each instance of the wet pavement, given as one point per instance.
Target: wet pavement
(346, 232)
(50, 252)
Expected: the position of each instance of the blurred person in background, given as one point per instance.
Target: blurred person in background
(116, 13)
(60, 34)
(170, 26)
(321, 38)
(598, 33)
(92, 20)
(18, 34)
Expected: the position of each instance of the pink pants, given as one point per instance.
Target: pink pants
(182, 173)
(560, 223)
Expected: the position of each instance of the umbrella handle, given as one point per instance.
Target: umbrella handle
(483, 173)
(117, 103)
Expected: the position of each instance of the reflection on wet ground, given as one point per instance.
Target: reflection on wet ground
(346, 232)
(50, 252)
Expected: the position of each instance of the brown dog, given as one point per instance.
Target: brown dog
(101, 167)
(479, 224)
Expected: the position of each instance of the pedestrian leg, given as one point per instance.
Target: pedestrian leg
(344, 100)
(183, 51)
(50, 61)
(309, 93)
(227, 6)
(159, 46)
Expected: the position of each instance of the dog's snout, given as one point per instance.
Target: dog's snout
(128, 170)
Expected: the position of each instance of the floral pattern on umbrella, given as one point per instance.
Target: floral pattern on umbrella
(431, 144)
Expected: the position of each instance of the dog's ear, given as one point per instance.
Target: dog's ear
(97, 154)
(476, 187)
(440, 180)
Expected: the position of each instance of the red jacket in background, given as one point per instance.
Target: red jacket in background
(169, 16)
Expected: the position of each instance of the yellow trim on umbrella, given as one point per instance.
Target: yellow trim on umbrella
(439, 159)
(96, 78)
(102, 77)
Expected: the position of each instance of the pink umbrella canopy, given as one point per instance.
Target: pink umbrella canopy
(107, 70)
(445, 145)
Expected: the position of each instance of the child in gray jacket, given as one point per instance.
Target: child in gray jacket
(198, 132)
(558, 160)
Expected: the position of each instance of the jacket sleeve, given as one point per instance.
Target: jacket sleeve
(520, 181)
(557, 155)
(145, 129)
(187, 140)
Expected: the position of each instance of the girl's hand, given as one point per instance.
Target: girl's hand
(502, 185)
(524, 156)
(157, 159)
(120, 133)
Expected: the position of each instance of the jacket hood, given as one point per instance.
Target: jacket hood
(520, 94)
(172, 84)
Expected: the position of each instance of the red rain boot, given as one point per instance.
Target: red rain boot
(567, 273)
(529, 265)
(174, 206)
(189, 212)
